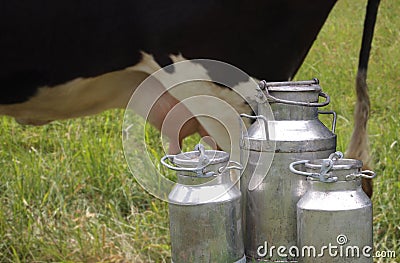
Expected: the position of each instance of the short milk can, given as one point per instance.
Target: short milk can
(334, 217)
(204, 208)
(269, 196)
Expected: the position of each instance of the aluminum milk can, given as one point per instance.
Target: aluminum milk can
(269, 196)
(204, 208)
(334, 217)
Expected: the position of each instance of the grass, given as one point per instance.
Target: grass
(66, 193)
(67, 196)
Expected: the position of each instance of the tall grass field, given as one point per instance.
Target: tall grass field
(67, 195)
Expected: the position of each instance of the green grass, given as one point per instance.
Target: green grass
(67, 196)
(66, 193)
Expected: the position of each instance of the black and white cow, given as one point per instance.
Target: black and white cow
(64, 59)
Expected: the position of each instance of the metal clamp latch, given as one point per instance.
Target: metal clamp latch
(203, 163)
(198, 170)
(323, 175)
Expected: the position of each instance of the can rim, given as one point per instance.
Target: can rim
(191, 159)
(339, 164)
(299, 88)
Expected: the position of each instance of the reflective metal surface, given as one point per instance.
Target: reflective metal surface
(269, 197)
(336, 214)
(204, 210)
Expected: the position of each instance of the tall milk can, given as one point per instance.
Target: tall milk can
(204, 208)
(334, 217)
(269, 196)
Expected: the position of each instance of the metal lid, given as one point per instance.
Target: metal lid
(292, 86)
(289, 87)
(200, 161)
(298, 88)
(195, 158)
(332, 169)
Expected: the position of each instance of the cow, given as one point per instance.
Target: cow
(65, 59)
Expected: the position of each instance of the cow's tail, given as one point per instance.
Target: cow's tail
(358, 148)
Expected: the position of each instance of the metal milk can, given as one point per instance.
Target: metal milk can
(334, 217)
(269, 196)
(204, 208)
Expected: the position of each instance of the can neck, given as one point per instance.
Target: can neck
(294, 113)
(336, 186)
(190, 178)
(286, 111)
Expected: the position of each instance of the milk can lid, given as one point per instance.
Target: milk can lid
(199, 161)
(332, 169)
(292, 86)
(195, 158)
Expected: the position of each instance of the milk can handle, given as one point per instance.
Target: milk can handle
(256, 117)
(237, 167)
(301, 103)
(264, 86)
(363, 174)
(334, 116)
(293, 170)
(368, 174)
(181, 169)
(322, 176)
